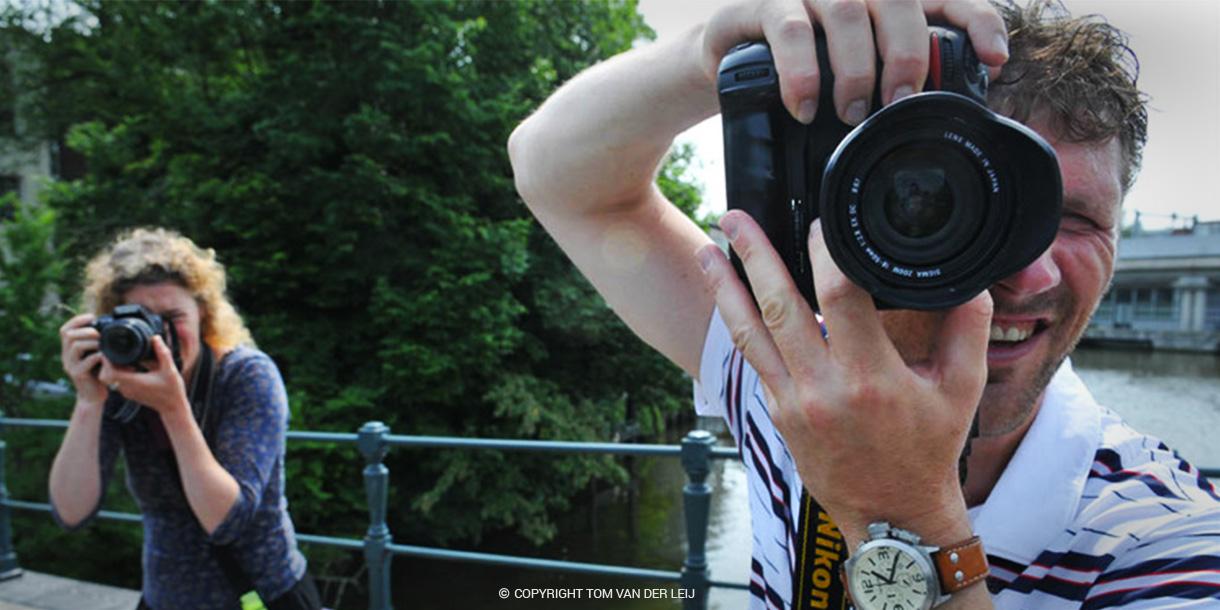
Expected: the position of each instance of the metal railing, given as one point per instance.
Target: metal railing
(373, 440)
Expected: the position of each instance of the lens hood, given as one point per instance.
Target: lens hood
(987, 201)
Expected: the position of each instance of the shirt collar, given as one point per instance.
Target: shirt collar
(1038, 493)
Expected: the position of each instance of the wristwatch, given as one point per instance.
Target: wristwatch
(893, 571)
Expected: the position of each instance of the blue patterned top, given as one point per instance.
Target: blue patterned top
(179, 568)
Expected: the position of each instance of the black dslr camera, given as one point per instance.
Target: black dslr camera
(127, 333)
(925, 204)
(126, 340)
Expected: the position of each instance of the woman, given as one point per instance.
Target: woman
(216, 523)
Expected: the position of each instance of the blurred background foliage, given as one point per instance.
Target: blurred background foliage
(347, 162)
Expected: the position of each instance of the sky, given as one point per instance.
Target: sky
(1178, 46)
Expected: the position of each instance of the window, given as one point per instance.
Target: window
(1211, 318)
(1165, 306)
(8, 114)
(1105, 309)
(9, 184)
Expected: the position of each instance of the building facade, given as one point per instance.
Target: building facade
(1166, 291)
(26, 164)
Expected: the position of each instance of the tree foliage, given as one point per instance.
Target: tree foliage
(347, 162)
(30, 272)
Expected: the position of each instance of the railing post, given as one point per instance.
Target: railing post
(377, 556)
(9, 568)
(696, 501)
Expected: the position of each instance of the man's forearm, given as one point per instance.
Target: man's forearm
(598, 141)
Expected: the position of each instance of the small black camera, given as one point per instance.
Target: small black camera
(127, 334)
(925, 204)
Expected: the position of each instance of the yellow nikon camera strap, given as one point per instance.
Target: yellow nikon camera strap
(820, 553)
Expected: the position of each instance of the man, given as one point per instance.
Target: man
(1073, 508)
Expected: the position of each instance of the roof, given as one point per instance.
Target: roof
(1169, 246)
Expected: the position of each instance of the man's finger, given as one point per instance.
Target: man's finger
(988, 34)
(962, 346)
(853, 58)
(902, 42)
(789, 30)
(784, 311)
(746, 328)
(856, 337)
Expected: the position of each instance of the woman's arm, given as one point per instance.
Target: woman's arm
(75, 485)
(78, 471)
(210, 490)
(249, 440)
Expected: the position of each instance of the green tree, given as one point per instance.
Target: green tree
(30, 272)
(347, 162)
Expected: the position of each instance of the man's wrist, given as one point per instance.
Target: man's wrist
(691, 95)
(941, 527)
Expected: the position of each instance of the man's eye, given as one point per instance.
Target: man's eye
(1078, 221)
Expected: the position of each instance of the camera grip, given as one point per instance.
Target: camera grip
(774, 164)
(759, 150)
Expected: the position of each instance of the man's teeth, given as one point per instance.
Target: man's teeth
(1011, 333)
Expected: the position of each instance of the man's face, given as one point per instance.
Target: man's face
(1042, 310)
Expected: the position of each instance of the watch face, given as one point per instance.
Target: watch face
(888, 576)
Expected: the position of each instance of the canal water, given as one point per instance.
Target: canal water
(1170, 395)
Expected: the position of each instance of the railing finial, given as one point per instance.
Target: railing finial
(373, 446)
(696, 503)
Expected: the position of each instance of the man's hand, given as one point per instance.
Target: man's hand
(901, 41)
(873, 437)
(160, 387)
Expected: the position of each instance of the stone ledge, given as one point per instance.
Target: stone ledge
(37, 591)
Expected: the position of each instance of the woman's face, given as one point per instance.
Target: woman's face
(176, 306)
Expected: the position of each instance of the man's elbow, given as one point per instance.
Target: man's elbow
(519, 157)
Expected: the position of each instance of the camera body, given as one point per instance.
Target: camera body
(127, 335)
(926, 203)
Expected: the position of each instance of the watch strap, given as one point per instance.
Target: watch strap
(960, 565)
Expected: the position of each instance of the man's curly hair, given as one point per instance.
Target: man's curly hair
(1076, 76)
(153, 255)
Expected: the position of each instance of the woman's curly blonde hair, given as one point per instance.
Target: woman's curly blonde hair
(153, 255)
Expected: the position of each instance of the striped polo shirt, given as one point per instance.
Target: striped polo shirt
(1088, 513)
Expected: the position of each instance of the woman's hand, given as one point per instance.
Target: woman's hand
(874, 437)
(159, 387)
(80, 357)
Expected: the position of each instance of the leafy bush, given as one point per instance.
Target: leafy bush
(347, 162)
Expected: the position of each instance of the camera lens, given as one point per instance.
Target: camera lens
(918, 203)
(934, 198)
(125, 342)
(922, 203)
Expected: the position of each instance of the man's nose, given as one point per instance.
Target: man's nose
(1036, 278)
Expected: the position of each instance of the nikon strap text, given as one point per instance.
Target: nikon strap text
(820, 554)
